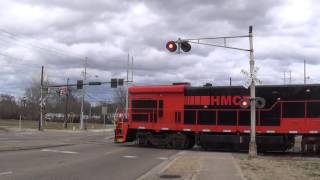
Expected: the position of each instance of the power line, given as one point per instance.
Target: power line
(16, 58)
(41, 47)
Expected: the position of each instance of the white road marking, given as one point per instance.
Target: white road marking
(5, 173)
(130, 157)
(162, 158)
(25, 133)
(109, 137)
(102, 130)
(57, 151)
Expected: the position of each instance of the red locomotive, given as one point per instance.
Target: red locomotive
(180, 116)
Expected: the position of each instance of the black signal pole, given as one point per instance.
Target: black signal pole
(66, 109)
(40, 125)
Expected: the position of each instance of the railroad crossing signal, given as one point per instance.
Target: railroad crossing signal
(172, 46)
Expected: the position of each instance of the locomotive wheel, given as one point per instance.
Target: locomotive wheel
(142, 140)
(179, 141)
(192, 142)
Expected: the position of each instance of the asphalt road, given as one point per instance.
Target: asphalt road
(91, 156)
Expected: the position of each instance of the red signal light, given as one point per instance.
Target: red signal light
(244, 103)
(171, 46)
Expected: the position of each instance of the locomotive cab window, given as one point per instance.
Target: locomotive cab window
(227, 118)
(144, 110)
(293, 110)
(207, 117)
(313, 109)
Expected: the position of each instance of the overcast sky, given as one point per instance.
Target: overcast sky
(59, 34)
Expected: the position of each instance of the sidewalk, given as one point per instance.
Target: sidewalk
(195, 165)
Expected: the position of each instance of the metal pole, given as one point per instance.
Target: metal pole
(304, 72)
(230, 81)
(82, 127)
(66, 109)
(132, 69)
(252, 145)
(40, 127)
(20, 121)
(89, 118)
(290, 79)
(127, 96)
(179, 45)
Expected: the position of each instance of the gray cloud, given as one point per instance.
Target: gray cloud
(59, 34)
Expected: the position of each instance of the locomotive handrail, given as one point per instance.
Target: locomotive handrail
(152, 111)
(240, 109)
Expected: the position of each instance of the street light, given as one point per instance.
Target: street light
(184, 44)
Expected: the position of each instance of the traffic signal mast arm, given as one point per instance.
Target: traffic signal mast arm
(197, 41)
(89, 83)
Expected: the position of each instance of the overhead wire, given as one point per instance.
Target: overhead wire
(41, 47)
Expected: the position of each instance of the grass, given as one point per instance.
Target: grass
(12, 123)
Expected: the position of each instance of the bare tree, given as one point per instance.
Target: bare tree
(8, 107)
(120, 97)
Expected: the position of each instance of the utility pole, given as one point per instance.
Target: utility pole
(82, 126)
(290, 79)
(304, 72)
(230, 81)
(284, 78)
(132, 69)
(40, 126)
(127, 89)
(89, 118)
(22, 111)
(252, 144)
(66, 109)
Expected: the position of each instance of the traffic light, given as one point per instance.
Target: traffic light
(172, 46)
(114, 83)
(79, 84)
(120, 82)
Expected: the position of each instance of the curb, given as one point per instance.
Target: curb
(160, 168)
